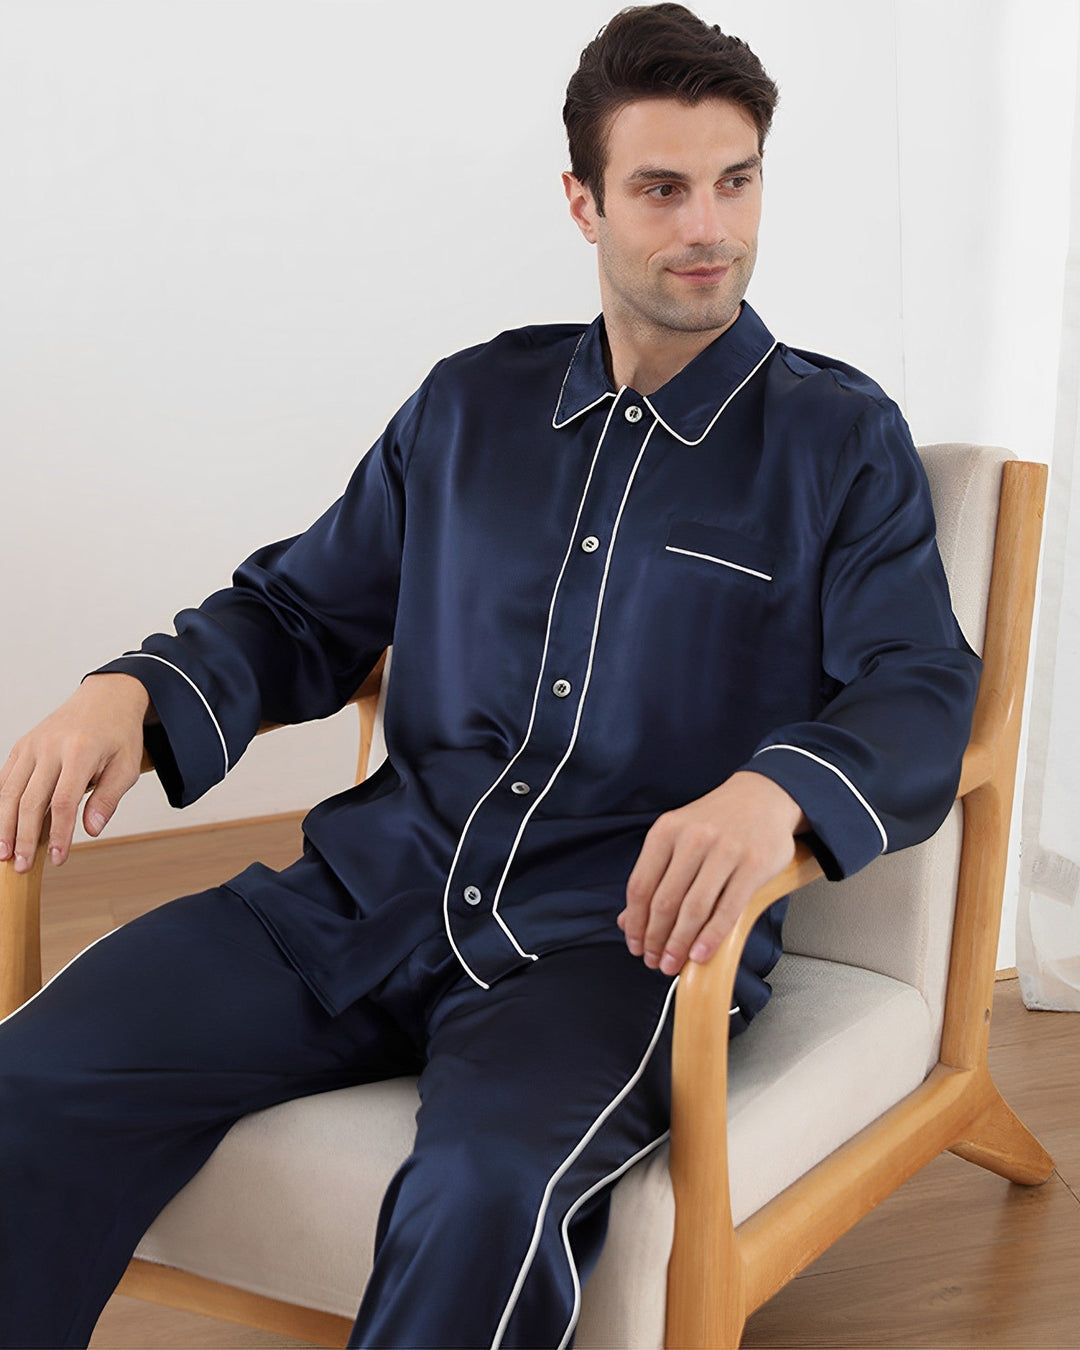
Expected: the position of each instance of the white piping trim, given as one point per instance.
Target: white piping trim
(568, 1162)
(588, 673)
(605, 1181)
(723, 405)
(532, 720)
(708, 557)
(60, 972)
(798, 750)
(557, 425)
(529, 956)
(150, 656)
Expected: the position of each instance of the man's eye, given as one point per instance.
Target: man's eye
(663, 191)
(737, 183)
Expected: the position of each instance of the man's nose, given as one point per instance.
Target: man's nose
(703, 220)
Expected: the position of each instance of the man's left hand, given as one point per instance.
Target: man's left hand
(701, 863)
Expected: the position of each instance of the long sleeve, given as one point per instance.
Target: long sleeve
(878, 768)
(291, 639)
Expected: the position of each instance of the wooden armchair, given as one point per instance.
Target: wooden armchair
(868, 1062)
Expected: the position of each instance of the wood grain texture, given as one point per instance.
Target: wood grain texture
(20, 932)
(192, 1293)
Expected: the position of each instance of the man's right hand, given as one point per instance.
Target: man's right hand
(93, 741)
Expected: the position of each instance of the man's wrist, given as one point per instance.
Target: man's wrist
(131, 690)
(799, 822)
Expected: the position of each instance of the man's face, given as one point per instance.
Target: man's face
(682, 202)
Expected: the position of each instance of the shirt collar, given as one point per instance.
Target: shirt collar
(691, 401)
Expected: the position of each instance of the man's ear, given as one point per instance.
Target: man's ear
(583, 210)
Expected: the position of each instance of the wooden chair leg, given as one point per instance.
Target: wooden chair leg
(706, 1302)
(724, 1331)
(999, 1141)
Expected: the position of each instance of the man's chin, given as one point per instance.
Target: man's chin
(711, 319)
(703, 312)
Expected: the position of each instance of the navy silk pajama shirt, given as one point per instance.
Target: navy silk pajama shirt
(601, 605)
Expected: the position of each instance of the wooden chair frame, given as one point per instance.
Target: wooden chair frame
(719, 1274)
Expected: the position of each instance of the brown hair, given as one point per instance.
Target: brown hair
(657, 51)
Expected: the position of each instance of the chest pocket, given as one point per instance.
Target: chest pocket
(721, 548)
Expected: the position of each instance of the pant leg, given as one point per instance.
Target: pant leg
(536, 1095)
(121, 1076)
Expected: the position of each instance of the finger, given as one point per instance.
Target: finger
(33, 804)
(733, 900)
(116, 778)
(667, 902)
(697, 909)
(652, 863)
(16, 775)
(70, 789)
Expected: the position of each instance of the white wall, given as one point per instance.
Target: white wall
(234, 236)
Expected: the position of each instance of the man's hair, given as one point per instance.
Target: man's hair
(657, 51)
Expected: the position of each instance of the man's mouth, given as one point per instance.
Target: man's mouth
(701, 276)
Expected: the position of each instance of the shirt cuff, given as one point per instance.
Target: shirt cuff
(187, 745)
(847, 832)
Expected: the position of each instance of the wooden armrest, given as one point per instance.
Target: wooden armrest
(710, 984)
(699, 1146)
(705, 990)
(702, 1006)
(20, 932)
(699, 1153)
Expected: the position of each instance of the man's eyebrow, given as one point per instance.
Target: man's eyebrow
(752, 162)
(647, 173)
(655, 173)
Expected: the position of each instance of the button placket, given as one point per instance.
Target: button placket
(496, 825)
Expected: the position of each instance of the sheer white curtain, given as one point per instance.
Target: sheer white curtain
(1048, 917)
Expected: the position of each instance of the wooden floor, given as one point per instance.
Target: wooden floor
(956, 1258)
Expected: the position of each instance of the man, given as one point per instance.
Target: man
(663, 594)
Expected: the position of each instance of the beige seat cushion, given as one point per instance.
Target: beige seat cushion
(287, 1205)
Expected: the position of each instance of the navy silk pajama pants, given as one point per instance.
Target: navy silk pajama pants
(118, 1080)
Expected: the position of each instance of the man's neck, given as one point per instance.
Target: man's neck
(646, 358)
